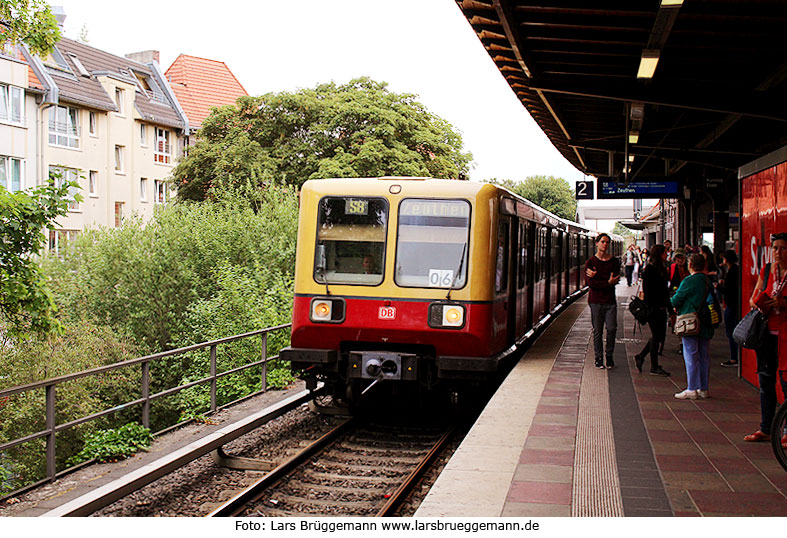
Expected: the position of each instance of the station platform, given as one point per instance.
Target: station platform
(562, 438)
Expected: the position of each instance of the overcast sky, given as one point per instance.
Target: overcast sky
(424, 47)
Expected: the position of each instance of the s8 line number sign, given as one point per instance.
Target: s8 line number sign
(386, 312)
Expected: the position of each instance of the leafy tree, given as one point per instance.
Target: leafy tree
(25, 302)
(620, 229)
(30, 22)
(358, 129)
(552, 193)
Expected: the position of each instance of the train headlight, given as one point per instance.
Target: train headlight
(321, 310)
(443, 315)
(453, 316)
(324, 310)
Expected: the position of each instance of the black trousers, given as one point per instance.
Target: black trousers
(767, 361)
(658, 333)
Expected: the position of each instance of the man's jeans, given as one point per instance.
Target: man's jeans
(601, 314)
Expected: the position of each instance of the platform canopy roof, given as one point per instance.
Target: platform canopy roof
(716, 100)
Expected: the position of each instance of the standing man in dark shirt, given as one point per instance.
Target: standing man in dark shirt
(602, 272)
(732, 303)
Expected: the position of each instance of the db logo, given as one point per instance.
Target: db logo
(387, 312)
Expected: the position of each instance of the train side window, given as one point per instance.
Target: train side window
(501, 268)
(351, 240)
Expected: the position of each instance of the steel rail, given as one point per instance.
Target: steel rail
(401, 492)
(111, 492)
(237, 504)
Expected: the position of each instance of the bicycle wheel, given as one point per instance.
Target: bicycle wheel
(779, 432)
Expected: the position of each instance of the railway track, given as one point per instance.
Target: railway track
(357, 469)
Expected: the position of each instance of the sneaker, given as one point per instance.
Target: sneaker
(702, 394)
(730, 364)
(610, 364)
(686, 395)
(600, 364)
(757, 437)
(659, 371)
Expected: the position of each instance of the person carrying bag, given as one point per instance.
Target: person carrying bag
(690, 297)
(751, 331)
(657, 306)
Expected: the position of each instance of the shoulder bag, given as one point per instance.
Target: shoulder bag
(689, 324)
(639, 309)
(751, 331)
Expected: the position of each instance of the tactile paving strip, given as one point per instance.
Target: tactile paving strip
(596, 490)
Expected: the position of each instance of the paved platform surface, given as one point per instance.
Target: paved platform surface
(562, 438)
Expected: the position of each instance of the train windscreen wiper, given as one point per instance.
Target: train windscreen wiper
(458, 271)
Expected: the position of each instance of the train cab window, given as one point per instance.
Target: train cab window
(432, 243)
(351, 240)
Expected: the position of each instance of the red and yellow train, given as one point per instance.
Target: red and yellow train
(414, 282)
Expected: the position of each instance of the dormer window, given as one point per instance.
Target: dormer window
(56, 59)
(120, 96)
(81, 68)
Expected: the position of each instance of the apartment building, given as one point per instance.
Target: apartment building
(17, 135)
(111, 123)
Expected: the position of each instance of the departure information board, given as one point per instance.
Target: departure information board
(610, 188)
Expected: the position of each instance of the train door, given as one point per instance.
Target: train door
(556, 257)
(521, 279)
(532, 253)
(505, 286)
(511, 301)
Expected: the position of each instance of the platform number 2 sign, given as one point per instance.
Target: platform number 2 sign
(584, 190)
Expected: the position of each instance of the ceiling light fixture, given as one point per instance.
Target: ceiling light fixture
(648, 63)
(633, 137)
(671, 3)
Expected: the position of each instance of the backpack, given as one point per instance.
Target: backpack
(709, 311)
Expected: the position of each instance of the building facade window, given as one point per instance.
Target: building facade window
(93, 183)
(59, 238)
(163, 152)
(120, 96)
(118, 214)
(92, 123)
(143, 189)
(143, 134)
(64, 126)
(11, 173)
(12, 100)
(61, 175)
(160, 194)
(119, 155)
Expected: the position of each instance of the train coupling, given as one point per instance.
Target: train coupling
(383, 366)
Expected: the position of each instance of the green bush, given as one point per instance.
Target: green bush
(81, 346)
(115, 444)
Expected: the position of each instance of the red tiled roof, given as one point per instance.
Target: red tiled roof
(200, 84)
(32, 79)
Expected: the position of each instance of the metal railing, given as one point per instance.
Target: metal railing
(51, 428)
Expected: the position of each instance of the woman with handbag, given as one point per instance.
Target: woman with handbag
(769, 297)
(691, 295)
(654, 288)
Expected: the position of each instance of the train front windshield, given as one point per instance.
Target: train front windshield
(351, 240)
(432, 243)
